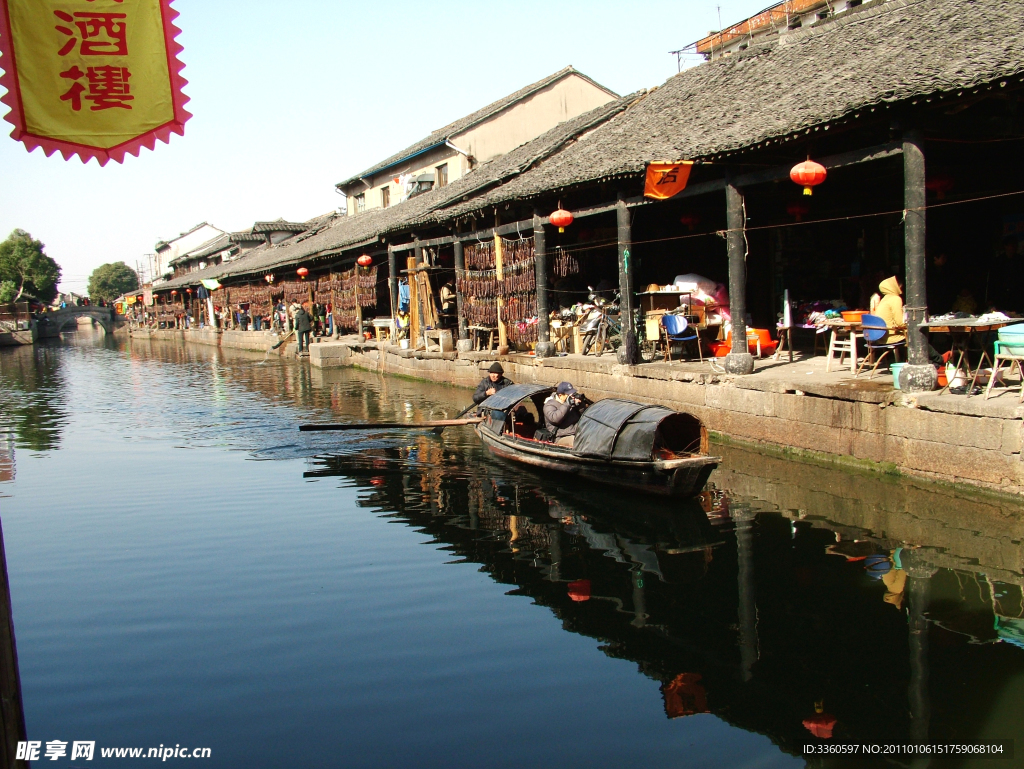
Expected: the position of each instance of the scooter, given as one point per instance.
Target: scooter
(594, 328)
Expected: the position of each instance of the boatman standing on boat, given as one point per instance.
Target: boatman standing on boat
(562, 411)
(490, 384)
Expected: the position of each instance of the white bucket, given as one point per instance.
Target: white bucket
(403, 343)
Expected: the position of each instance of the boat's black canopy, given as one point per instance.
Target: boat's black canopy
(612, 429)
(509, 396)
(619, 429)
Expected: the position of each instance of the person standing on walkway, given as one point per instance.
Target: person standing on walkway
(303, 325)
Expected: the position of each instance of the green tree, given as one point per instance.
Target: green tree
(109, 281)
(23, 263)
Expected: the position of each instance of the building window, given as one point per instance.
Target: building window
(385, 197)
(360, 203)
(441, 175)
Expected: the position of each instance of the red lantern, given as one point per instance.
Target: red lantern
(174, 293)
(808, 174)
(561, 219)
(690, 220)
(940, 185)
(364, 261)
(798, 210)
(188, 290)
(269, 277)
(580, 590)
(302, 272)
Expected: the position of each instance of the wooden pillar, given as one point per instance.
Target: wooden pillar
(460, 270)
(500, 274)
(393, 281)
(739, 360)
(414, 303)
(919, 375)
(544, 347)
(629, 353)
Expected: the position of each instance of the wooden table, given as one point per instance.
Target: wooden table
(384, 328)
(962, 332)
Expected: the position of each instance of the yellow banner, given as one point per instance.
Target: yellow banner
(91, 74)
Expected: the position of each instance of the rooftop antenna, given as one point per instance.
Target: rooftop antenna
(721, 38)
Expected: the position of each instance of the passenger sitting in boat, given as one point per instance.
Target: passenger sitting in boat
(490, 384)
(562, 411)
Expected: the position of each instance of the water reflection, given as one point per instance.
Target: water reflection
(781, 601)
(783, 623)
(33, 403)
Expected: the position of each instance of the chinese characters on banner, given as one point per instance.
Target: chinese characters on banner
(94, 78)
(666, 179)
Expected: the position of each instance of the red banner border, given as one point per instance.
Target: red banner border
(16, 116)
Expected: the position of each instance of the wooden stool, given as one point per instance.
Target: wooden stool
(478, 337)
(843, 347)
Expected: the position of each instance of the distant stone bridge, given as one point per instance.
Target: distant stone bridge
(58, 319)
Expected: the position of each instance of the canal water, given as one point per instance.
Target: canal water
(185, 569)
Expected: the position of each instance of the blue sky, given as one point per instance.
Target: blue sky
(289, 98)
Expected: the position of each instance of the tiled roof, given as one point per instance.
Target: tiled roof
(895, 52)
(440, 135)
(214, 246)
(279, 225)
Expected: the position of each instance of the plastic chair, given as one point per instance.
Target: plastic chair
(874, 331)
(675, 327)
(1014, 356)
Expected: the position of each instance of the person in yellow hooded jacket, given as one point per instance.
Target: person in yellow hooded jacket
(890, 309)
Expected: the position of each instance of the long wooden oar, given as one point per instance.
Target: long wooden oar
(392, 425)
(285, 339)
(470, 407)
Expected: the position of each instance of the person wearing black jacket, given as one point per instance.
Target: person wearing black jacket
(490, 384)
(303, 325)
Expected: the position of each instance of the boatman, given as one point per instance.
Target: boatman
(562, 411)
(490, 384)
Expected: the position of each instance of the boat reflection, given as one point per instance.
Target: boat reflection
(790, 625)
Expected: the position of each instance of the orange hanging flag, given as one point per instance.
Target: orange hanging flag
(666, 179)
(94, 78)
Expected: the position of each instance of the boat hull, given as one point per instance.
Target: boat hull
(674, 478)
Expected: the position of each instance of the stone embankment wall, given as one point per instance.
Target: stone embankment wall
(953, 442)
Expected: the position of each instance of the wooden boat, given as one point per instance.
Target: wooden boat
(620, 443)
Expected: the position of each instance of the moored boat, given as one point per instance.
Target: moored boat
(621, 443)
